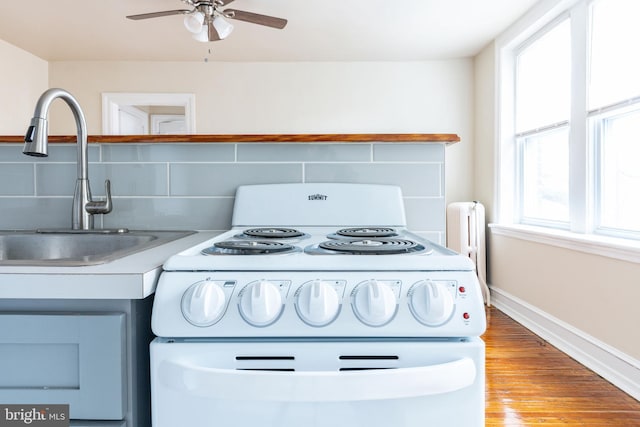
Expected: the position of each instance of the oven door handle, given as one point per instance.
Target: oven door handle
(317, 386)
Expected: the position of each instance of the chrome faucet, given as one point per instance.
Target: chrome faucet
(36, 144)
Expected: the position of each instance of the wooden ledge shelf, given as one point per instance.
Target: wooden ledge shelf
(442, 138)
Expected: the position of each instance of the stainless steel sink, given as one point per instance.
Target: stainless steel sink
(77, 248)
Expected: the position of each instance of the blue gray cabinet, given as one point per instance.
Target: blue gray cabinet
(90, 354)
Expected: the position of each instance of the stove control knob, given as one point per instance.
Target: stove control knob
(430, 302)
(203, 303)
(374, 303)
(261, 303)
(317, 303)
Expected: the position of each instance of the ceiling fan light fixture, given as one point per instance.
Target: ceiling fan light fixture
(223, 28)
(202, 35)
(206, 20)
(193, 22)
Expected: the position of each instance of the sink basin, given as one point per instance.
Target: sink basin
(71, 248)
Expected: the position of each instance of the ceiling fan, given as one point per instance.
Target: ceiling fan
(206, 20)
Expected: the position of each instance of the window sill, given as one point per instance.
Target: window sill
(622, 249)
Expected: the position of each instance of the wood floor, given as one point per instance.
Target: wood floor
(531, 383)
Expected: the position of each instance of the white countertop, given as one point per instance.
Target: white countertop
(130, 277)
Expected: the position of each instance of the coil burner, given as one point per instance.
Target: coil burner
(272, 233)
(364, 233)
(249, 247)
(371, 246)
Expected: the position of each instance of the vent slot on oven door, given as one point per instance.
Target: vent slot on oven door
(265, 363)
(367, 362)
(344, 362)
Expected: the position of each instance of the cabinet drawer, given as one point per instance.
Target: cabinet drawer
(72, 358)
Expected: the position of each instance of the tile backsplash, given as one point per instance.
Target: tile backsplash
(192, 185)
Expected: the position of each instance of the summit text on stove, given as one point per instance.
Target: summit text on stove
(317, 197)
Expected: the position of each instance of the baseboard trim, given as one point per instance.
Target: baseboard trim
(616, 367)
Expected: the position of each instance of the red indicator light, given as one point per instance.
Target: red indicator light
(462, 289)
(466, 316)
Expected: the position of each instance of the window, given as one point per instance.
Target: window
(614, 68)
(543, 73)
(570, 120)
(617, 137)
(544, 180)
(614, 115)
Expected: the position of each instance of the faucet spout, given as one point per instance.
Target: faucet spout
(36, 144)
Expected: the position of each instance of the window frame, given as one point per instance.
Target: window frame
(583, 181)
(520, 137)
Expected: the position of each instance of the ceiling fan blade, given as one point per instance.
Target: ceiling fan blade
(256, 18)
(225, 2)
(159, 14)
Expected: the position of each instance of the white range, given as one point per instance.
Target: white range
(318, 308)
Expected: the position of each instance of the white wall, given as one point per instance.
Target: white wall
(23, 77)
(484, 136)
(595, 294)
(313, 97)
(306, 97)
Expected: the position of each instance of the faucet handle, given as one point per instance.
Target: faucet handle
(101, 207)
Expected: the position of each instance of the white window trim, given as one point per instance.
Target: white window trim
(580, 175)
(610, 247)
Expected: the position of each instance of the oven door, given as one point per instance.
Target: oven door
(271, 383)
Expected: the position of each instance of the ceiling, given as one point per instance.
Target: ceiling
(327, 30)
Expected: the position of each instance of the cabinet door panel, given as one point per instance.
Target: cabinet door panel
(71, 358)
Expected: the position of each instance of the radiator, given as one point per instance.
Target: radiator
(466, 235)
